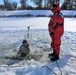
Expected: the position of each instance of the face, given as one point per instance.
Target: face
(53, 8)
(25, 43)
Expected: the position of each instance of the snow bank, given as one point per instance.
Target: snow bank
(66, 13)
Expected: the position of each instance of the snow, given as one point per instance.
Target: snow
(36, 12)
(23, 12)
(14, 30)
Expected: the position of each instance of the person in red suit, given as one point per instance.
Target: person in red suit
(56, 30)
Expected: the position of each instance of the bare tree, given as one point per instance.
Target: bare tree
(10, 5)
(69, 5)
(6, 3)
(23, 4)
(38, 3)
(47, 3)
(14, 5)
(73, 2)
(2, 7)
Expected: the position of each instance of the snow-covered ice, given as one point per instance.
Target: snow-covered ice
(14, 30)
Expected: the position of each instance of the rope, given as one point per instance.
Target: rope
(50, 69)
(59, 67)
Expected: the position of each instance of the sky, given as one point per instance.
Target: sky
(18, 1)
(2, 1)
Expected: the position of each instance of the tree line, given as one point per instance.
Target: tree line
(38, 5)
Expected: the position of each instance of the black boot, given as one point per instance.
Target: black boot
(55, 58)
(52, 54)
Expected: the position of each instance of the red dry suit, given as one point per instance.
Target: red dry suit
(56, 27)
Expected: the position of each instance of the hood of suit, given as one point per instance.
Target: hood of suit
(57, 8)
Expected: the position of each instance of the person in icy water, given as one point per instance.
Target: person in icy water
(24, 49)
(56, 30)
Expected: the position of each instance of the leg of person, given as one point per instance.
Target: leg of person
(52, 40)
(23, 55)
(52, 46)
(57, 43)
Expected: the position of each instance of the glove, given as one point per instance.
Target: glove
(50, 33)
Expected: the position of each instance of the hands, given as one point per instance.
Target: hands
(50, 33)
